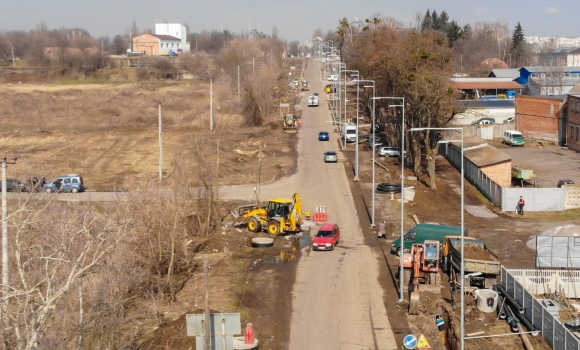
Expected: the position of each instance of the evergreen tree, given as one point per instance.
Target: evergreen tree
(518, 49)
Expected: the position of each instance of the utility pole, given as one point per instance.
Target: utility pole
(159, 102)
(13, 62)
(207, 325)
(5, 265)
(238, 83)
(210, 103)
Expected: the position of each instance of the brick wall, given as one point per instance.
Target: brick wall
(147, 43)
(573, 127)
(538, 116)
(500, 173)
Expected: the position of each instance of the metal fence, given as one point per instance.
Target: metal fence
(542, 313)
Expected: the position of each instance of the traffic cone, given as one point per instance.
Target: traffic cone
(249, 337)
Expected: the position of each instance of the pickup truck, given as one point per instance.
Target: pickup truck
(480, 263)
(313, 101)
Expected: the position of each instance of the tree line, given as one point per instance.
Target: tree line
(415, 63)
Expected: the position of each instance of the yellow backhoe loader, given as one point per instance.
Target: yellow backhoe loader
(290, 124)
(281, 215)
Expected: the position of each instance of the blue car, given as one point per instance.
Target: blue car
(69, 183)
(323, 136)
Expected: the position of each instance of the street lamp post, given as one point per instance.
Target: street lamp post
(402, 155)
(462, 262)
(356, 178)
(339, 64)
(373, 148)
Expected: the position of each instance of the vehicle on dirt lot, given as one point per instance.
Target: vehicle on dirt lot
(13, 185)
(330, 157)
(290, 124)
(323, 136)
(389, 151)
(313, 101)
(280, 215)
(422, 232)
(69, 183)
(513, 138)
(327, 237)
(565, 182)
(479, 262)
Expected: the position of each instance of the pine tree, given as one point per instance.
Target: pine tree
(518, 46)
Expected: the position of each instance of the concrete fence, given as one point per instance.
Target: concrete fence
(525, 285)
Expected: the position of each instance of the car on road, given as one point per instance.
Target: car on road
(14, 185)
(513, 138)
(330, 157)
(323, 136)
(389, 151)
(484, 121)
(68, 183)
(327, 237)
(509, 120)
(565, 182)
(378, 127)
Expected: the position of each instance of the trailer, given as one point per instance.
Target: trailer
(523, 175)
(481, 265)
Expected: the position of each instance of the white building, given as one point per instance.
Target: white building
(175, 30)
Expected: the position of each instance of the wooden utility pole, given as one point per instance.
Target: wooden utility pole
(211, 103)
(207, 324)
(159, 102)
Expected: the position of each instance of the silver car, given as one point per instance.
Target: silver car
(389, 152)
(330, 157)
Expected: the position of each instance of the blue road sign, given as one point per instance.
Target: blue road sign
(410, 342)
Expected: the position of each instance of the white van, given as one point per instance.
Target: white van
(349, 132)
(513, 138)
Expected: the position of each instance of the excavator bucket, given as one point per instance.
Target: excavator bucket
(414, 303)
(290, 130)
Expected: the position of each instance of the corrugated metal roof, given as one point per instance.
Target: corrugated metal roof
(549, 69)
(512, 73)
(488, 103)
(483, 85)
(481, 153)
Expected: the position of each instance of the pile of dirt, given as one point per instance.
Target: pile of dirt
(476, 252)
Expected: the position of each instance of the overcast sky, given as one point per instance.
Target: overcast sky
(295, 20)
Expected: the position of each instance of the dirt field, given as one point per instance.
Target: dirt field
(109, 134)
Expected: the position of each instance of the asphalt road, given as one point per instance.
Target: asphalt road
(337, 300)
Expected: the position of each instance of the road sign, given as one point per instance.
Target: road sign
(423, 344)
(410, 342)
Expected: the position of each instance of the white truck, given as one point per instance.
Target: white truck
(313, 101)
(349, 132)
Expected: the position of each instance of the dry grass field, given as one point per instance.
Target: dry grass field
(109, 134)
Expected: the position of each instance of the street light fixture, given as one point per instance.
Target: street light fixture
(357, 81)
(402, 155)
(462, 273)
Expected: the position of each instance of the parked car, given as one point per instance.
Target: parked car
(510, 120)
(13, 185)
(68, 183)
(389, 152)
(330, 157)
(513, 138)
(565, 182)
(378, 141)
(484, 121)
(323, 136)
(327, 237)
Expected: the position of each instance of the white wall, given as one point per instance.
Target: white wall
(174, 29)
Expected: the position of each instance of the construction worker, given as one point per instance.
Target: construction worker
(308, 214)
(383, 229)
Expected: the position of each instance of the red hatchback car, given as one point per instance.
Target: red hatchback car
(327, 237)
